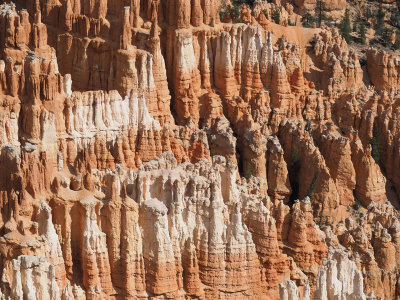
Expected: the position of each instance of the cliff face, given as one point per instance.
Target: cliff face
(150, 150)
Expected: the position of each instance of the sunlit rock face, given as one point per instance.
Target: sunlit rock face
(150, 150)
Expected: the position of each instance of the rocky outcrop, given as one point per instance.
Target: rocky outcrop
(53, 251)
(341, 67)
(300, 148)
(339, 277)
(382, 69)
(278, 176)
(34, 278)
(95, 261)
(289, 291)
(333, 9)
(376, 256)
(336, 150)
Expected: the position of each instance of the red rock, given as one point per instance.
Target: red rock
(147, 150)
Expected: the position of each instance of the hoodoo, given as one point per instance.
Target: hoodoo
(199, 149)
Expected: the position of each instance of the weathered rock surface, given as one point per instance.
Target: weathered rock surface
(338, 277)
(149, 150)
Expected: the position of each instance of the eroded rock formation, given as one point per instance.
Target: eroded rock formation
(149, 150)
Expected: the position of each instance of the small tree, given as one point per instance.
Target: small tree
(363, 32)
(368, 13)
(375, 142)
(357, 205)
(395, 18)
(247, 175)
(397, 42)
(310, 192)
(265, 13)
(320, 12)
(355, 26)
(345, 27)
(386, 35)
(307, 20)
(380, 20)
(277, 16)
(233, 10)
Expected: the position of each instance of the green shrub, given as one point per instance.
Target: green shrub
(368, 13)
(354, 26)
(307, 20)
(395, 18)
(233, 11)
(313, 184)
(363, 32)
(380, 21)
(345, 27)
(248, 174)
(320, 215)
(375, 142)
(277, 16)
(386, 35)
(295, 157)
(308, 125)
(320, 12)
(266, 13)
(397, 42)
(356, 205)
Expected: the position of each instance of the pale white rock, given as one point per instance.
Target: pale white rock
(46, 230)
(60, 161)
(187, 75)
(267, 57)
(155, 225)
(94, 248)
(223, 61)
(178, 227)
(78, 292)
(252, 57)
(54, 63)
(97, 111)
(34, 279)
(185, 58)
(67, 292)
(48, 128)
(67, 85)
(339, 278)
(306, 291)
(9, 128)
(8, 9)
(279, 66)
(145, 76)
(288, 290)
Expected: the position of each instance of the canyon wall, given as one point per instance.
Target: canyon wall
(149, 150)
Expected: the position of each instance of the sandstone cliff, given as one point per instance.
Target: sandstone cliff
(149, 150)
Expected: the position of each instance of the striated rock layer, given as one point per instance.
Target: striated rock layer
(149, 150)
